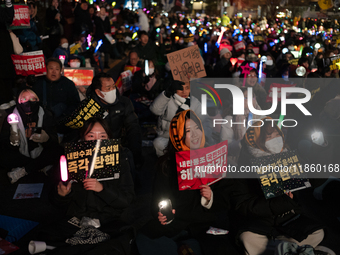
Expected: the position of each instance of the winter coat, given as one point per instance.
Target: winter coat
(62, 96)
(166, 109)
(271, 217)
(149, 51)
(121, 116)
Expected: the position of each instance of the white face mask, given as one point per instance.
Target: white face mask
(240, 59)
(151, 71)
(269, 62)
(109, 97)
(274, 145)
(75, 64)
(64, 45)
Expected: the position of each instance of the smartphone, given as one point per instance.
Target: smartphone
(165, 207)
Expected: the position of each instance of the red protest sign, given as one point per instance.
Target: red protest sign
(80, 76)
(21, 17)
(29, 65)
(199, 167)
(239, 46)
(278, 86)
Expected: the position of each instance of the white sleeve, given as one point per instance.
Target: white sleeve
(205, 203)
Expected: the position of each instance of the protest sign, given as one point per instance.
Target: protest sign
(29, 64)
(80, 76)
(79, 156)
(21, 18)
(258, 38)
(278, 86)
(124, 80)
(186, 64)
(239, 46)
(199, 167)
(88, 108)
(287, 174)
(335, 61)
(294, 61)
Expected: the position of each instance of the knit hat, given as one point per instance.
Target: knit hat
(253, 133)
(177, 130)
(224, 51)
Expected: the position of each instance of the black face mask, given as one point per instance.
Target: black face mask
(30, 106)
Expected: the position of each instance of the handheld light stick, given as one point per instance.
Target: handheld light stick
(146, 67)
(317, 138)
(233, 61)
(263, 59)
(280, 121)
(62, 59)
(221, 35)
(63, 168)
(301, 71)
(100, 42)
(165, 208)
(93, 162)
(317, 46)
(13, 120)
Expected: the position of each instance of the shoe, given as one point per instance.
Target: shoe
(15, 175)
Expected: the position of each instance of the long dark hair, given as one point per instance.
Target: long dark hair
(88, 125)
(170, 150)
(267, 129)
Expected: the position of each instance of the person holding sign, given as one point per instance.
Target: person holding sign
(280, 217)
(103, 202)
(192, 217)
(174, 99)
(33, 146)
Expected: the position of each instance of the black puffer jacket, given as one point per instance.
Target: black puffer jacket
(271, 217)
(121, 116)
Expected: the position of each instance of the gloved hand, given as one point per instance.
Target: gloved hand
(40, 138)
(174, 86)
(14, 138)
(8, 3)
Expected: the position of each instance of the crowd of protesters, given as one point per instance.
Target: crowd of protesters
(285, 51)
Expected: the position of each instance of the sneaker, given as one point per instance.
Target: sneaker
(15, 175)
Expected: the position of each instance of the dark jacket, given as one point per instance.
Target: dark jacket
(62, 97)
(219, 68)
(107, 205)
(149, 51)
(268, 216)
(52, 24)
(6, 44)
(83, 21)
(121, 116)
(139, 82)
(102, 27)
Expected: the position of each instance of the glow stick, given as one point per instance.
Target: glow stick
(221, 35)
(13, 120)
(146, 67)
(63, 168)
(280, 121)
(94, 159)
(100, 42)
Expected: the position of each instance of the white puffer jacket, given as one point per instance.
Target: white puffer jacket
(166, 109)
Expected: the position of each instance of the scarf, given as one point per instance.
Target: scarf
(177, 130)
(183, 103)
(253, 133)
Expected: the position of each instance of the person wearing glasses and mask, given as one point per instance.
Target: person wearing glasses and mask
(119, 113)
